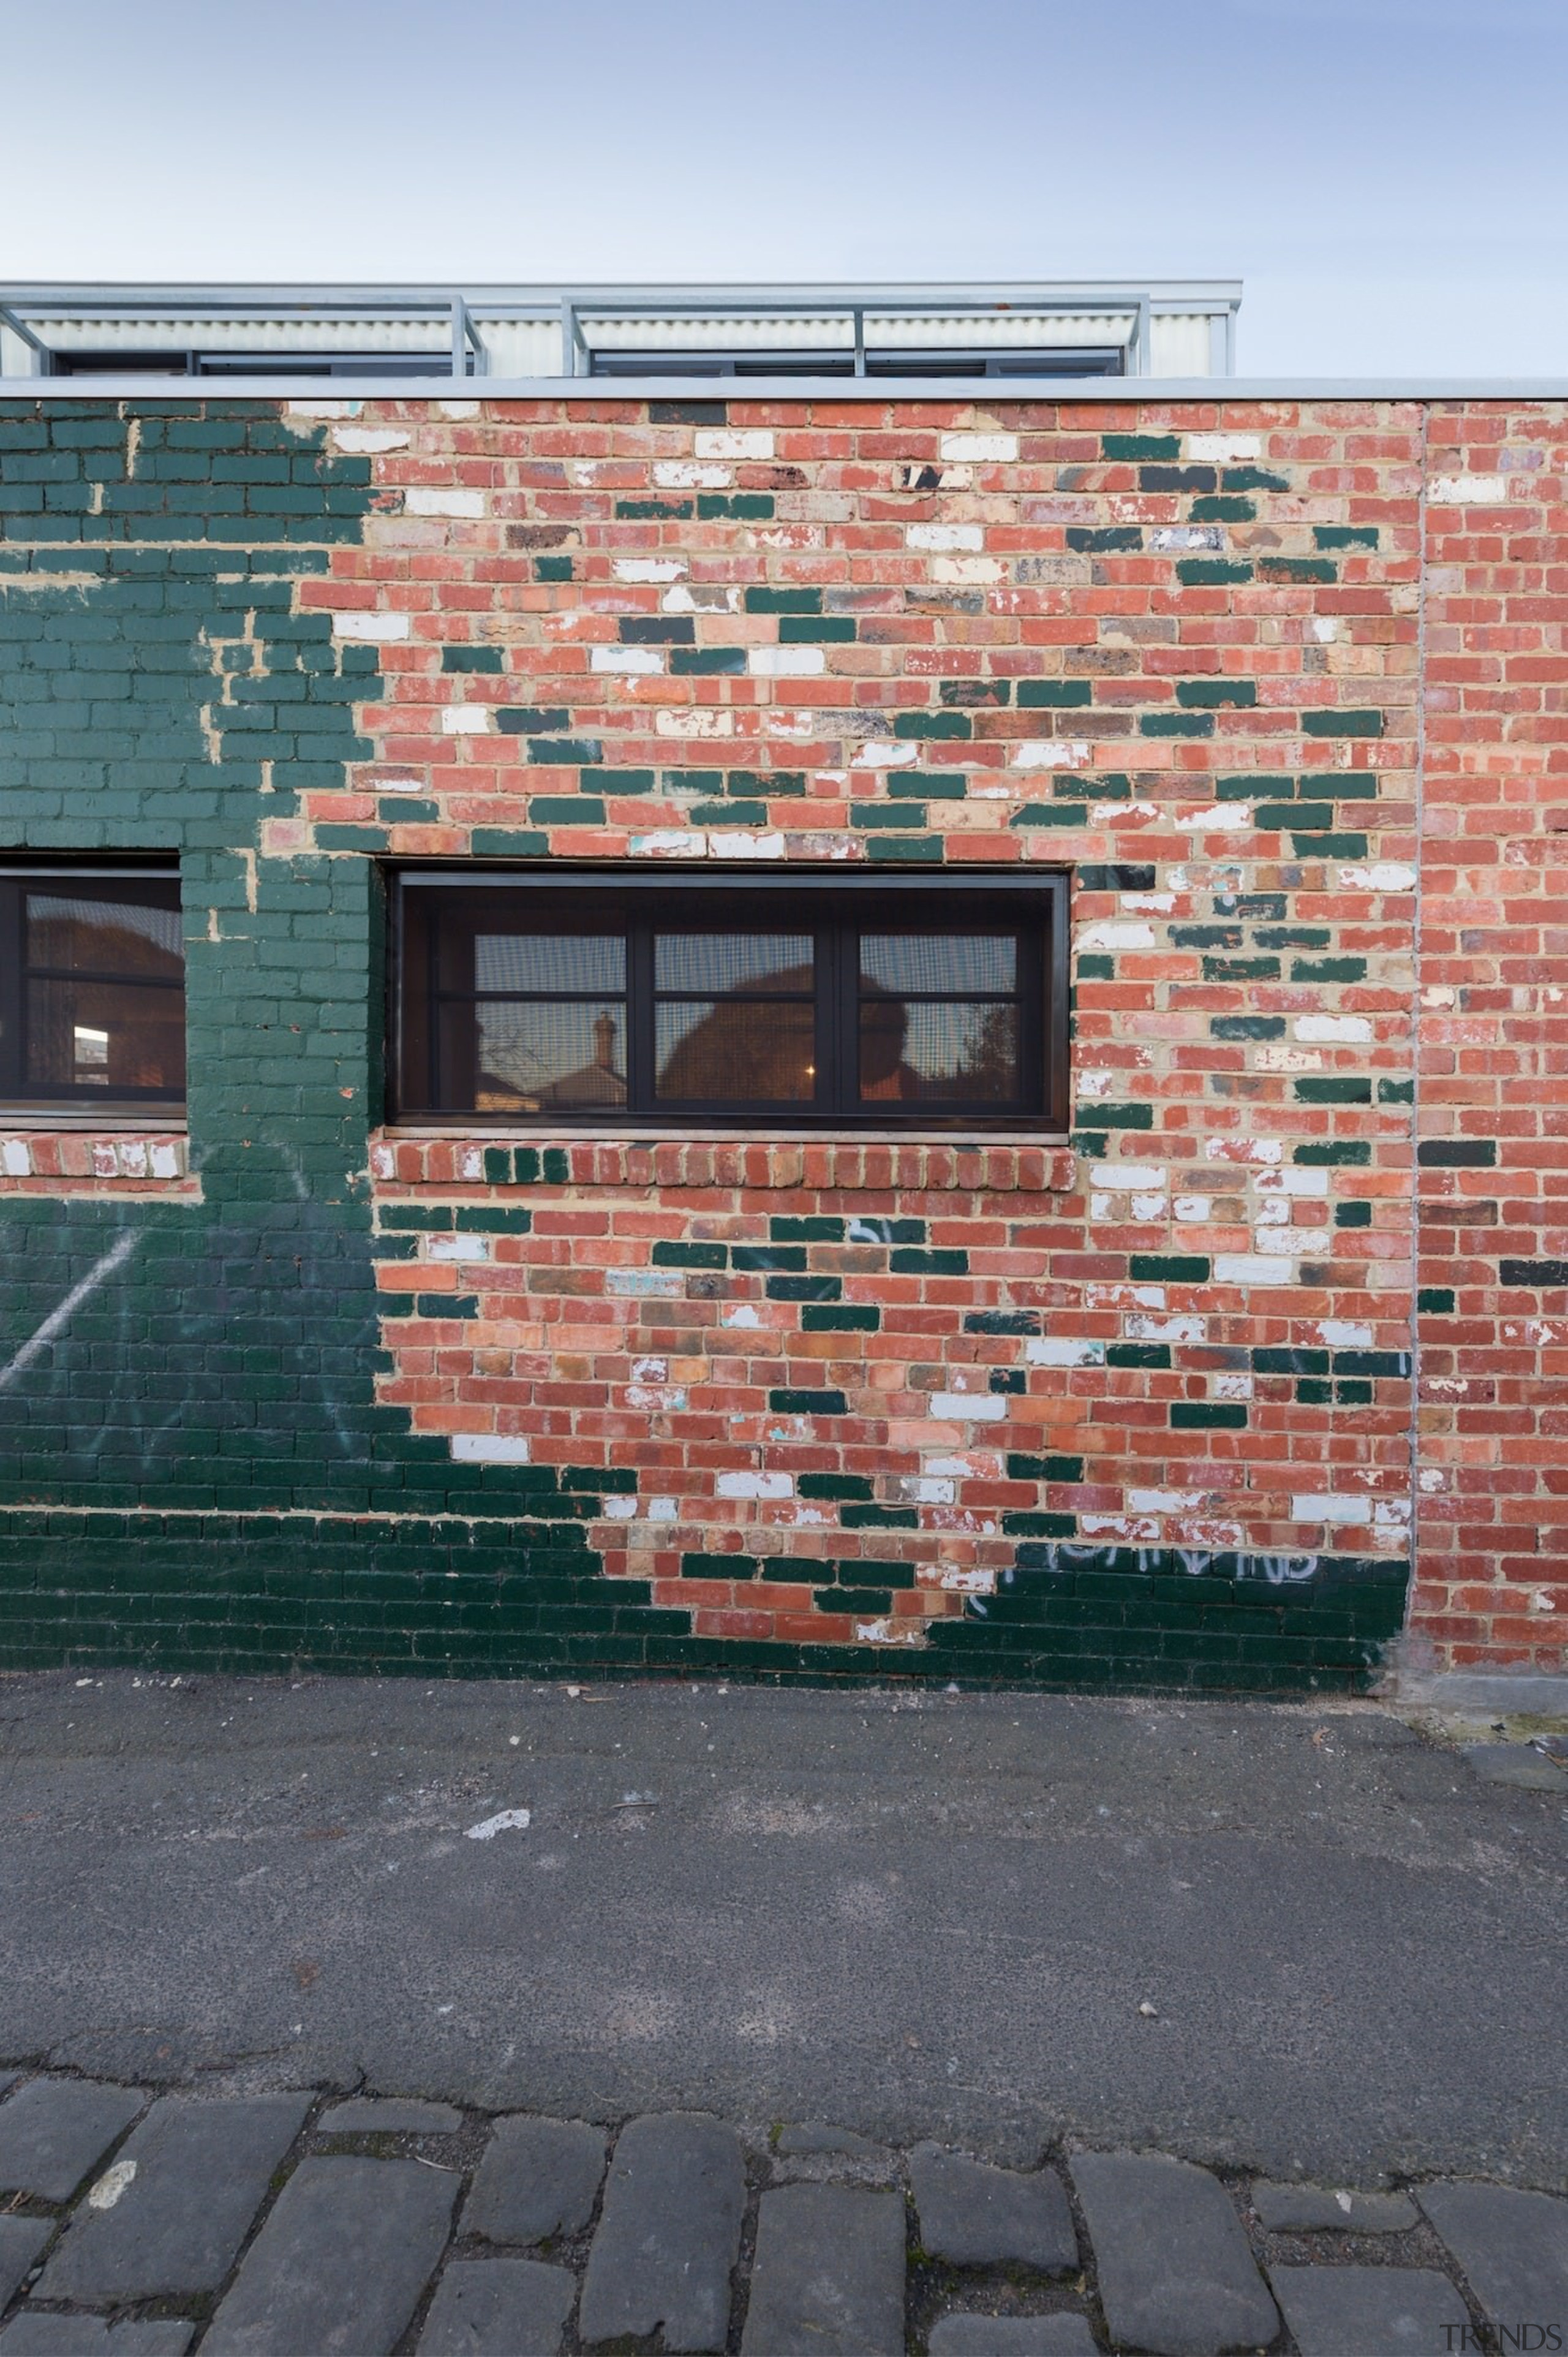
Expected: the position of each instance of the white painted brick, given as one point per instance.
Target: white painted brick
(168, 1161)
(16, 1159)
(969, 1407)
(962, 569)
(699, 722)
(1331, 1508)
(1112, 934)
(1467, 491)
(626, 662)
(368, 440)
(1193, 1209)
(324, 408)
(735, 843)
(1292, 1182)
(743, 1314)
(663, 1509)
(755, 1485)
(490, 1448)
(980, 445)
(649, 568)
(377, 629)
(883, 753)
(1170, 537)
(1164, 1501)
(1253, 1268)
(1386, 876)
(1166, 1329)
(888, 1632)
(620, 1510)
(733, 442)
(466, 720)
(690, 474)
(459, 1248)
(1049, 753)
(1125, 1177)
(1332, 1027)
(1347, 1333)
(1065, 1350)
(1223, 449)
(670, 842)
(442, 501)
(946, 536)
(787, 663)
(927, 1490)
(1215, 817)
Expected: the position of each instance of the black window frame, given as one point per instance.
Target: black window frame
(121, 880)
(834, 904)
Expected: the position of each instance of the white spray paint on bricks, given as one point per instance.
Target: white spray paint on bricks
(118, 1254)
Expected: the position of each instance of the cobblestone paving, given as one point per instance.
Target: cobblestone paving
(267, 2225)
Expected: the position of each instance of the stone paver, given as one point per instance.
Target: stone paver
(1176, 2274)
(670, 2233)
(1372, 2312)
(498, 2307)
(980, 2216)
(201, 2172)
(1513, 2248)
(537, 2178)
(52, 2130)
(828, 2276)
(388, 2115)
(1012, 2336)
(21, 2240)
(88, 2336)
(1316, 2209)
(341, 2262)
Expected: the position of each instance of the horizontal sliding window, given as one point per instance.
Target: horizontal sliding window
(91, 990)
(920, 1003)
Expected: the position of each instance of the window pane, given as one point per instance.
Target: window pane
(101, 936)
(105, 1035)
(717, 961)
(930, 1051)
(543, 1057)
(594, 964)
(946, 965)
(733, 1050)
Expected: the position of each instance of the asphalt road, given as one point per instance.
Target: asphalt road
(912, 1916)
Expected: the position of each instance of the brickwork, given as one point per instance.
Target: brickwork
(1135, 1406)
(1493, 1484)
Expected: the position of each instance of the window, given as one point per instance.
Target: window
(91, 990)
(733, 999)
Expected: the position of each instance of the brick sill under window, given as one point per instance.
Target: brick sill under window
(127, 1157)
(863, 1161)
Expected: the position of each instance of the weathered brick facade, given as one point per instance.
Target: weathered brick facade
(1281, 684)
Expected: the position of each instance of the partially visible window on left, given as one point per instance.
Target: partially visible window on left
(92, 991)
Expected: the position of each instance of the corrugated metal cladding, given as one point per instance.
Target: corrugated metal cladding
(521, 333)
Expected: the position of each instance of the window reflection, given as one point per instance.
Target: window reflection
(755, 1043)
(938, 1019)
(103, 1008)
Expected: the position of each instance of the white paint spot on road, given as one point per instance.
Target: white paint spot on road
(505, 1821)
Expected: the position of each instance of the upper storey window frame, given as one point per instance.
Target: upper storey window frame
(877, 980)
(54, 989)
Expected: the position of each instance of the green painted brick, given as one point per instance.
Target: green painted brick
(1359, 723)
(1242, 693)
(1055, 695)
(1212, 572)
(472, 659)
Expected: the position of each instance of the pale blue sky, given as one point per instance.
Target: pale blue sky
(1387, 175)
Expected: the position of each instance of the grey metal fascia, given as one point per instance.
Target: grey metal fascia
(688, 295)
(968, 391)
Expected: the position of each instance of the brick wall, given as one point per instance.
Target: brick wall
(1137, 1408)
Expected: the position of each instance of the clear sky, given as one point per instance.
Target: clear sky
(1388, 177)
